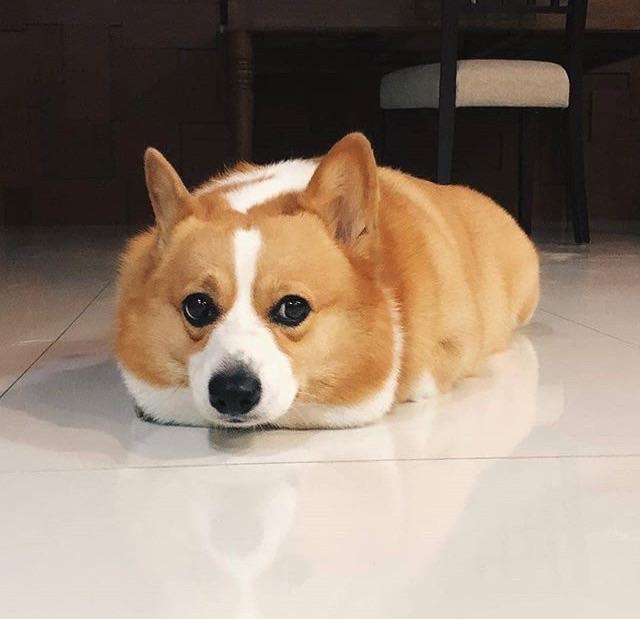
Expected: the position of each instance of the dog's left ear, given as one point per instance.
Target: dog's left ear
(344, 190)
(167, 192)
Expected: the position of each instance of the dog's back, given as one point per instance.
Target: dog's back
(464, 276)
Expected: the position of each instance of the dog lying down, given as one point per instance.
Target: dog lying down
(314, 293)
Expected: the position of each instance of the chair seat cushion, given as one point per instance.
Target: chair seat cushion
(480, 83)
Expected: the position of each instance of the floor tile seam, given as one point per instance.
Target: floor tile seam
(590, 328)
(56, 339)
(220, 465)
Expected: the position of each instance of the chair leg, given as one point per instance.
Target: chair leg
(447, 89)
(577, 194)
(527, 166)
(446, 134)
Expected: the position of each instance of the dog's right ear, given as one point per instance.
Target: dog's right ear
(167, 192)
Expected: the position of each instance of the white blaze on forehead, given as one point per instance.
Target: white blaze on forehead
(246, 247)
(242, 337)
(263, 183)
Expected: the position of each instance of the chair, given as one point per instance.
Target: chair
(525, 84)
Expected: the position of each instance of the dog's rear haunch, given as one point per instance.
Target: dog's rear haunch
(314, 293)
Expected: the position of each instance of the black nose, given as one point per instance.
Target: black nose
(234, 391)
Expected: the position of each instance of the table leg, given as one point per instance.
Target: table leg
(241, 61)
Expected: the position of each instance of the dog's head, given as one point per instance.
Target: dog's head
(257, 298)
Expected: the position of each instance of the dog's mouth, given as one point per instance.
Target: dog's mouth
(238, 422)
(229, 423)
(211, 417)
(250, 420)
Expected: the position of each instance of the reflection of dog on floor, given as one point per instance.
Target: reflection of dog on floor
(314, 293)
(298, 541)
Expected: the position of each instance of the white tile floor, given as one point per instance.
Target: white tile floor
(518, 495)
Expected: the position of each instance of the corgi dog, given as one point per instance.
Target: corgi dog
(314, 293)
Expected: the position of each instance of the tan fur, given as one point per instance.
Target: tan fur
(464, 273)
(345, 347)
(359, 238)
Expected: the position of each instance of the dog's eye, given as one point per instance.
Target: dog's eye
(199, 309)
(290, 311)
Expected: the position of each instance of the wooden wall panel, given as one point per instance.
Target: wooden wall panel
(76, 149)
(613, 143)
(170, 24)
(15, 143)
(614, 15)
(144, 81)
(87, 85)
(16, 69)
(79, 201)
(96, 12)
(46, 83)
(131, 136)
(86, 72)
(15, 205)
(13, 15)
(206, 149)
(202, 99)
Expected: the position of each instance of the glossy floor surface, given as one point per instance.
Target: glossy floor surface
(517, 495)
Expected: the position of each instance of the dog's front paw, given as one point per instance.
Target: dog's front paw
(424, 389)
